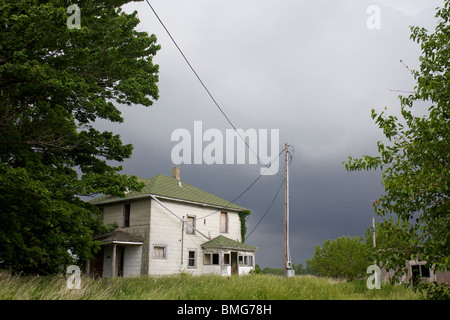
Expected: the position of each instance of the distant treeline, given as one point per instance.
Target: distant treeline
(298, 268)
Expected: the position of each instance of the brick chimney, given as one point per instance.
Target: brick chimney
(176, 173)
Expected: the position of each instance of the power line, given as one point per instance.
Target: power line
(273, 201)
(229, 121)
(248, 188)
(201, 82)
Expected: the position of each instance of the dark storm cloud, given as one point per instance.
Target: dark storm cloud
(311, 69)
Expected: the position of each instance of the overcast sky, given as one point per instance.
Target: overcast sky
(311, 69)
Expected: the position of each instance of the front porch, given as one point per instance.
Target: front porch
(227, 257)
(120, 255)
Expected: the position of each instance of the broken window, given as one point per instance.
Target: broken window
(211, 258)
(126, 214)
(190, 225)
(425, 271)
(419, 271)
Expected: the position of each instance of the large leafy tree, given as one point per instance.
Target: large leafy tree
(414, 158)
(394, 240)
(55, 81)
(345, 257)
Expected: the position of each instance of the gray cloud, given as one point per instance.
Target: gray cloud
(311, 69)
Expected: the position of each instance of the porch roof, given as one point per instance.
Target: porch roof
(118, 237)
(221, 242)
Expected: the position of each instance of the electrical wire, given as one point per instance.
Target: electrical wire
(248, 188)
(200, 80)
(265, 213)
(229, 121)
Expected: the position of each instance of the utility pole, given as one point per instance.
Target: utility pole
(287, 254)
(374, 233)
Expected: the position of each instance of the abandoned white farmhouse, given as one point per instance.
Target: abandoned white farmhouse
(170, 227)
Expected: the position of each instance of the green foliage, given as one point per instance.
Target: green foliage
(300, 270)
(54, 83)
(257, 270)
(415, 157)
(243, 216)
(433, 291)
(345, 257)
(395, 243)
(273, 271)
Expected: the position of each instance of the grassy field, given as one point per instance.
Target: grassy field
(187, 287)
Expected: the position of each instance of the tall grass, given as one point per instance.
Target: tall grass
(187, 287)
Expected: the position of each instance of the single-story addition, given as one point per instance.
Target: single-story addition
(417, 271)
(171, 227)
(225, 256)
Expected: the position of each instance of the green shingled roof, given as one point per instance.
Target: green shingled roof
(221, 242)
(165, 186)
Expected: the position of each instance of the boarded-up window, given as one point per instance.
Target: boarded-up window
(190, 225)
(224, 222)
(126, 215)
(159, 252)
(191, 259)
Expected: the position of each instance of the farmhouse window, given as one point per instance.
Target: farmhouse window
(126, 215)
(245, 260)
(425, 271)
(159, 252)
(419, 271)
(211, 258)
(191, 259)
(224, 222)
(190, 225)
(226, 258)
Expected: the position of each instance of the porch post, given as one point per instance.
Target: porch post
(113, 263)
